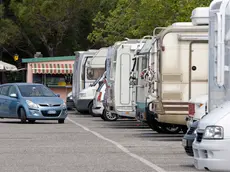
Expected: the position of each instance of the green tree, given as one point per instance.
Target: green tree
(135, 19)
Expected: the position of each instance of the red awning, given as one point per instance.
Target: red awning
(52, 68)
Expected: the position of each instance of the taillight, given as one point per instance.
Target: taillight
(99, 96)
(191, 109)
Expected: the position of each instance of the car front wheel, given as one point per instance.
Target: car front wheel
(22, 115)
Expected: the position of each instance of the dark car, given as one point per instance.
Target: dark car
(69, 101)
(189, 138)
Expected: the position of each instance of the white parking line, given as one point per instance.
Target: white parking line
(125, 150)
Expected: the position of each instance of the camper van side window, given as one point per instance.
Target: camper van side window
(144, 63)
(94, 73)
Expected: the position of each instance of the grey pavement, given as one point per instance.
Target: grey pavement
(47, 146)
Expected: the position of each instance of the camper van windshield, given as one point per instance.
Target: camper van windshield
(94, 73)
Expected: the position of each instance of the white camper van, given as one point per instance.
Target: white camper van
(120, 94)
(211, 146)
(87, 69)
(142, 76)
(181, 73)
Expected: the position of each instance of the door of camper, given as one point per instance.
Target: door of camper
(123, 90)
(198, 70)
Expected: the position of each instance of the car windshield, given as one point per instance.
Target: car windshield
(35, 91)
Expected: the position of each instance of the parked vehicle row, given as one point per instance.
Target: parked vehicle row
(176, 80)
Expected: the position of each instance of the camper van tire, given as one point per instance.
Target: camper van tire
(102, 116)
(155, 127)
(109, 116)
(171, 129)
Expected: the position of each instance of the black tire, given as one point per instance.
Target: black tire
(156, 127)
(31, 121)
(61, 121)
(171, 129)
(22, 115)
(102, 115)
(109, 116)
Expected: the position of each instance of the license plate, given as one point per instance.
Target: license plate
(51, 112)
(184, 142)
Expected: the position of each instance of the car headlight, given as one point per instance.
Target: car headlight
(82, 95)
(214, 132)
(32, 104)
(63, 105)
(71, 97)
(194, 132)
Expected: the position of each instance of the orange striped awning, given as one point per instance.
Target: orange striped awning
(52, 68)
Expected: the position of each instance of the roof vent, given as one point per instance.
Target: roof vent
(200, 16)
(182, 24)
(38, 55)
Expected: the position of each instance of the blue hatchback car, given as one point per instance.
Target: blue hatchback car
(28, 101)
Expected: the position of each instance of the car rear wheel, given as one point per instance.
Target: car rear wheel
(22, 115)
(31, 121)
(61, 121)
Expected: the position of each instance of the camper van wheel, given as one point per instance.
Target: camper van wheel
(110, 116)
(102, 116)
(171, 129)
(156, 127)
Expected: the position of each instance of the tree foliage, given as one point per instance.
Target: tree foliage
(60, 27)
(137, 18)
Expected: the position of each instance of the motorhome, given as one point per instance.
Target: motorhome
(182, 71)
(120, 95)
(211, 146)
(142, 76)
(87, 69)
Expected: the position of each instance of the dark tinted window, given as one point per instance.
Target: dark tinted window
(35, 91)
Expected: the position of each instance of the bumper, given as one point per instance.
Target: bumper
(98, 110)
(45, 114)
(83, 104)
(187, 144)
(212, 155)
(126, 114)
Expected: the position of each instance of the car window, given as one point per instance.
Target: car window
(5, 90)
(12, 90)
(35, 91)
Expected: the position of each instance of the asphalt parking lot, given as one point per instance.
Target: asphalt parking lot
(86, 143)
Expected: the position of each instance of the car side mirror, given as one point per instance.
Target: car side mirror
(58, 95)
(13, 95)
